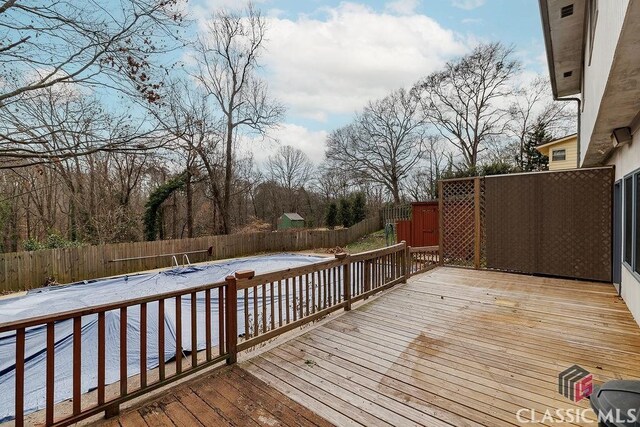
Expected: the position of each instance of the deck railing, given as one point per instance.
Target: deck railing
(115, 315)
(422, 258)
(254, 308)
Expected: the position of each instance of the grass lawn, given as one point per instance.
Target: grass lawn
(367, 243)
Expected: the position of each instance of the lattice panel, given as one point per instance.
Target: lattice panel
(555, 223)
(458, 222)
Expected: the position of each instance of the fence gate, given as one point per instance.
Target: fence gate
(553, 223)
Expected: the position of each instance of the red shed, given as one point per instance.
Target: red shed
(422, 229)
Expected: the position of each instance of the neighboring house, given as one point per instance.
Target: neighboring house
(562, 152)
(593, 51)
(290, 220)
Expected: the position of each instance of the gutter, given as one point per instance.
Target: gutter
(544, 15)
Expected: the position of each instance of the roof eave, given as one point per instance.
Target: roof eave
(558, 140)
(546, 32)
(564, 45)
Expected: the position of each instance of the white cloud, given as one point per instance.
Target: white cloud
(402, 7)
(467, 4)
(334, 65)
(311, 142)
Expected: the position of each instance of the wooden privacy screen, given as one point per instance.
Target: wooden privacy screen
(554, 223)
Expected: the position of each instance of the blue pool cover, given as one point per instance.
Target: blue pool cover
(58, 299)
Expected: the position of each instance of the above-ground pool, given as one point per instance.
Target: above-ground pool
(47, 301)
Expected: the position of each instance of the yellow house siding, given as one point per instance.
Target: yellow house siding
(570, 146)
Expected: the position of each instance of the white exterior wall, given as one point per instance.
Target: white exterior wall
(611, 15)
(626, 159)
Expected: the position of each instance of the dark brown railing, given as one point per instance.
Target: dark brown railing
(267, 305)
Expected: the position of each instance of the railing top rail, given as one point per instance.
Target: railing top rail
(70, 314)
(464, 178)
(377, 252)
(423, 248)
(308, 269)
(288, 273)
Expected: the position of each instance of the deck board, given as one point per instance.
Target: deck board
(453, 347)
(229, 396)
(457, 347)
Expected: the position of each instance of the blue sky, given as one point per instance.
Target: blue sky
(326, 59)
(516, 21)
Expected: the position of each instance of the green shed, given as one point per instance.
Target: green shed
(290, 220)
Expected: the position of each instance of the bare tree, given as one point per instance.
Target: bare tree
(383, 144)
(467, 102)
(198, 134)
(58, 123)
(422, 184)
(90, 42)
(332, 182)
(290, 167)
(534, 107)
(227, 59)
(52, 47)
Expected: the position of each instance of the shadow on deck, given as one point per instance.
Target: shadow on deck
(451, 347)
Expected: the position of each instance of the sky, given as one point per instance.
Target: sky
(325, 60)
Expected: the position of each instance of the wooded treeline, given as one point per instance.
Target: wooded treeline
(106, 137)
(479, 115)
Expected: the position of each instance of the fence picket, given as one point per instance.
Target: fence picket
(28, 270)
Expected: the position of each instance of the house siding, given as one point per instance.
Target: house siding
(571, 160)
(626, 159)
(597, 67)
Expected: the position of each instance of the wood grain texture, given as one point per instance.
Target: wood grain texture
(456, 347)
(228, 396)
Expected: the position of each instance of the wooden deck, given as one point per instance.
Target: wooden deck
(229, 396)
(451, 347)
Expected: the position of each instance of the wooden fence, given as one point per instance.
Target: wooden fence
(28, 270)
(239, 313)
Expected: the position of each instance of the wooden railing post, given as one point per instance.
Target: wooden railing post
(406, 264)
(440, 224)
(476, 204)
(366, 277)
(346, 279)
(231, 321)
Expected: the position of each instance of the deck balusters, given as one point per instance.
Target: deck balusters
(296, 296)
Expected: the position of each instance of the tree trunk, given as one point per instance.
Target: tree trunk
(73, 222)
(395, 190)
(174, 219)
(228, 173)
(189, 206)
(15, 234)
